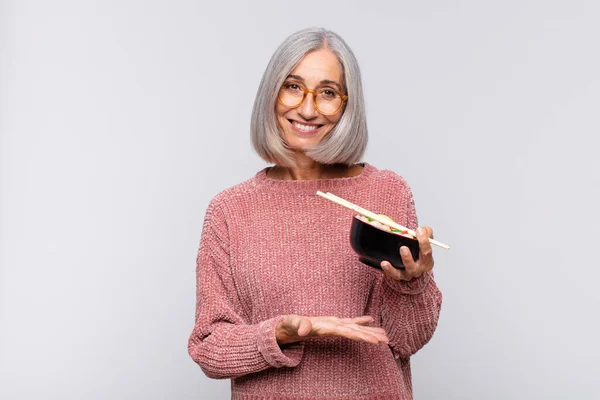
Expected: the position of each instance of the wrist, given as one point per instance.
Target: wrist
(414, 285)
(281, 334)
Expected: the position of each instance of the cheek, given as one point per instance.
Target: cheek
(334, 119)
(280, 110)
(280, 116)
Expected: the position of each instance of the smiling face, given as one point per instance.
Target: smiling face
(304, 126)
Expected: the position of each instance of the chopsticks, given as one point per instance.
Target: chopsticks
(367, 213)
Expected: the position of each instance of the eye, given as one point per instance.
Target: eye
(293, 87)
(328, 93)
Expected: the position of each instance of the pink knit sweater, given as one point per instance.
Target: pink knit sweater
(273, 247)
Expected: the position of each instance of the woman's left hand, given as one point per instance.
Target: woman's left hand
(413, 269)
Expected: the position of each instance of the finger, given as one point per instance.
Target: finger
(365, 319)
(429, 231)
(426, 253)
(376, 329)
(392, 272)
(291, 323)
(289, 327)
(371, 329)
(410, 266)
(304, 326)
(371, 337)
(365, 337)
(332, 326)
(355, 333)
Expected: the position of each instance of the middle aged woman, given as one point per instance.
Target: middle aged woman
(284, 308)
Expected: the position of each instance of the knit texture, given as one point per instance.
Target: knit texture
(273, 247)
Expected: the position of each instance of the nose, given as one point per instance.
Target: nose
(307, 108)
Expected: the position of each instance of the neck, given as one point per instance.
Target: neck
(306, 168)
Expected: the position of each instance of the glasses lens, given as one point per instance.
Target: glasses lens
(328, 101)
(291, 95)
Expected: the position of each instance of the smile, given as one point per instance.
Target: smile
(304, 128)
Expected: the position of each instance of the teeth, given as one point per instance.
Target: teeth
(305, 128)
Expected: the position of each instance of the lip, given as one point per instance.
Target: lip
(304, 132)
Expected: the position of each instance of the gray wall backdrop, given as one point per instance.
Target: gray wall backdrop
(121, 119)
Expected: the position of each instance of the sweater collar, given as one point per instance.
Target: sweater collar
(312, 186)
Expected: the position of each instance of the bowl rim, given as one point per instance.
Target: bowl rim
(357, 217)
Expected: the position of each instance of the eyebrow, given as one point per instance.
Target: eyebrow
(323, 82)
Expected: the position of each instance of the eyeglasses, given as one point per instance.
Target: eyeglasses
(327, 101)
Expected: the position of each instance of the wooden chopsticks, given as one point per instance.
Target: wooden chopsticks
(367, 213)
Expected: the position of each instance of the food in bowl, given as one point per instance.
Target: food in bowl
(386, 228)
(375, 242)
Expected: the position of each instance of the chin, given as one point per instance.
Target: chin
(303, 146)
(295, 141)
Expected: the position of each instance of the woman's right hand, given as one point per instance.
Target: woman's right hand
(295, 328)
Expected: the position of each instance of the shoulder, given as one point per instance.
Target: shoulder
(233, 196)
(395, 195)
(386, 178)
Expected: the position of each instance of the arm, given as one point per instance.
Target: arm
(410, 309)
(223, 342)
(410, 313)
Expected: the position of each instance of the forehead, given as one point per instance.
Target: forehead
(319, 65)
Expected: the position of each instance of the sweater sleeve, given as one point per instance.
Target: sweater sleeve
(410, 309)
(223, 342)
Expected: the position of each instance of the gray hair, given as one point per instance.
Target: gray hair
(347, 141)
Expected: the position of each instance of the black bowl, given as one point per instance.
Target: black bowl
(373, 245)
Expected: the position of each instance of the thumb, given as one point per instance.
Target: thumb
(304, 327)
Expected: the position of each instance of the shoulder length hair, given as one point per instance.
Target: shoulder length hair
(347, 141)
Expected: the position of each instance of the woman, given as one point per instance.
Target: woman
(284, 307)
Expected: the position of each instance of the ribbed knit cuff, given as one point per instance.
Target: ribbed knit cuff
(414, 286)
(290, 356)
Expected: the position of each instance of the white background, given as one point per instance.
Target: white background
(120, 120)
